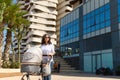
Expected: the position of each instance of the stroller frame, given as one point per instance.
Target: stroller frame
(27, 74)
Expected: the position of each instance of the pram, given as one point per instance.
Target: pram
(31, 62)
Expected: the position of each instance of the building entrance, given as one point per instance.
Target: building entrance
(96, 62)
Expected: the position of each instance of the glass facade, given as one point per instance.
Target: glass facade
(97, 19)
(69, 33)
(118, 10)
(94, 34)
(97, 59)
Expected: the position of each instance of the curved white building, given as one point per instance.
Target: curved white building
(42, 16)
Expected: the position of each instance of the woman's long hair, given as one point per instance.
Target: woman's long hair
(43, 39)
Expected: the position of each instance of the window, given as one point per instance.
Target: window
(119, 9)
(107, 6)
(97, 27)
(101, 17)
(107, 23)
(101, 9)
(102, 25)
(107, 14)
(97, 19)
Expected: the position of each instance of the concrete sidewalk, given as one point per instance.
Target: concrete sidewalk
(69, 76)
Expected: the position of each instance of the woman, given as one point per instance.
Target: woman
(48, 51)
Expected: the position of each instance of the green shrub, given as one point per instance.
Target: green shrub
(5, 65)
(14, 65)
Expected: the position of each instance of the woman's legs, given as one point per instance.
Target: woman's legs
(47, 77)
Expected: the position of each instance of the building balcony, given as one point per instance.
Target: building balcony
(45, 9)
(60, 1)
(34, 39)
(42, 21)
(41, 27)
(63, 4)
(46, 3)
(42, 15)
(39, 33)
(54, 1)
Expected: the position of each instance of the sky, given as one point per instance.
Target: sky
(14, 1)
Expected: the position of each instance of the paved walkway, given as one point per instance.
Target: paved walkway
(69, 76)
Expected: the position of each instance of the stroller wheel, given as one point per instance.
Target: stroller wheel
(22, 79)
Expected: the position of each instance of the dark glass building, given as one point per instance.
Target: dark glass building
(90, 35)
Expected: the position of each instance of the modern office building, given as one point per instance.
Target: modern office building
(90, 35)
(63, 8)
(42, 16)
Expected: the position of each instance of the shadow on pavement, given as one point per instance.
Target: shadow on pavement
(86, 75)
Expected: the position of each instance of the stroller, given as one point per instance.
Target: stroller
(31, 62)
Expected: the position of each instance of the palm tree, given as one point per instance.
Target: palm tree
(20, 30)
(15, 21)
(2, 8)
(12, 18)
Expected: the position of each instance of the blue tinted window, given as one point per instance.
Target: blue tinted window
(97, 27)
(118, 1)
(107, 23)
(102, 9)
(107, 14)
(107, 6)
(119, 19)
(85, 31)
(88, 30)
(92, 14)
(101, 17)
(88, 22)
(119, 9)
(93, 28)
(88, 16)
(92, 21)
(84, 24)
(96, 11)
(102, 25)
(97, 19)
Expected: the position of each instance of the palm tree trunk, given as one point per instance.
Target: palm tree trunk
(19, 58)
(13, 52)
(1, 43)
(7, 46)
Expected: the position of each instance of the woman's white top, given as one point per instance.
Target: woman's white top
(46, 50)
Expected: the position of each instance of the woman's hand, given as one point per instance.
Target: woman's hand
(51, 54)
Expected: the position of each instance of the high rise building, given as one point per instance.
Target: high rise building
(42, 16)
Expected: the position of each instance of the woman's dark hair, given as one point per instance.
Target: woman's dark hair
(43, 39)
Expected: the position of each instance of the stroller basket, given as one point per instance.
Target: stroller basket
(31, 68)
(31, 61)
